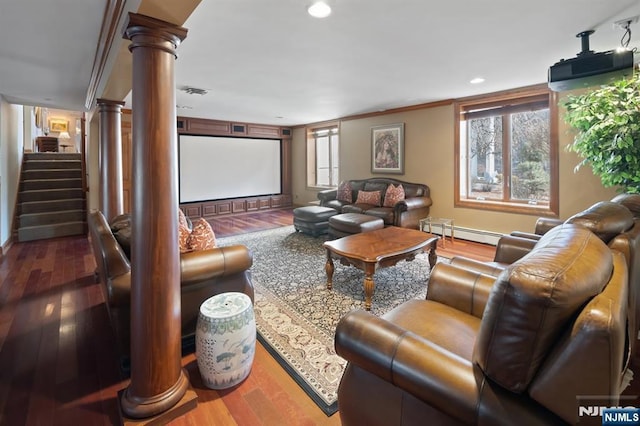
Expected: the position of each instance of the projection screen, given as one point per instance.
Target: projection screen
(214, 168)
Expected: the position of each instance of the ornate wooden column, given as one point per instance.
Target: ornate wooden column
(159, 386)
(110, 155)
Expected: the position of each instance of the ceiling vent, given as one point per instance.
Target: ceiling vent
(195, 91)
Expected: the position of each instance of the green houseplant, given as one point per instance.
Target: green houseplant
(608, 123)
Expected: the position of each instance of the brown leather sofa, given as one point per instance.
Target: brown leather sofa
(516, 349)
(203, 274)
(406, 213)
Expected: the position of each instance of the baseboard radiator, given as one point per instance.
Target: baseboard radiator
(470, 234)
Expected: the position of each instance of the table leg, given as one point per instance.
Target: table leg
(453, 238)
(329, 268)
(433, 257)
(368, 290)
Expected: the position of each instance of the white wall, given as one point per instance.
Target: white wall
(11, 151)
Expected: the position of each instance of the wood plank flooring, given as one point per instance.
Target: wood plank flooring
(57, 360)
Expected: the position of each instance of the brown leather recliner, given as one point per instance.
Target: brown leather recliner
(203, 274)
(616, 222)
(606, 219)
(517, 349)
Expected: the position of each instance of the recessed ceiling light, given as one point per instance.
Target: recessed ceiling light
(319, 10)
(477, 80)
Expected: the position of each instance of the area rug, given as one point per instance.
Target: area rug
(296, 315)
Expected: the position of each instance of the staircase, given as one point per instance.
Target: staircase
(51, 201)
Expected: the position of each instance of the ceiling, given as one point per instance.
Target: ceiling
(268, 61)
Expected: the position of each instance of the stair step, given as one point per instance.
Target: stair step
(51, 205)
(51, 174)
(51, 164)
(36, 184)
(50, 194)
(52, 156)
(50, 218)
(31, 233)
(51, 201)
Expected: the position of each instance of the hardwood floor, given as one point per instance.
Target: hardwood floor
(57, 360)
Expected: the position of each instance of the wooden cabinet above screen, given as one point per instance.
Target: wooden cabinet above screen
(202, 126)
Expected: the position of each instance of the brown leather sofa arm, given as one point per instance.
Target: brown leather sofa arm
(120, 290)
(440, 378)
(327, 195)
(489, 268)
(511, 249)
(528, 235)
(460, 288)
(413, 203)
(217, 262)
(114, 256)
(544, 224)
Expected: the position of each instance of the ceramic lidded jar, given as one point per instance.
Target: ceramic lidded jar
(225, 339)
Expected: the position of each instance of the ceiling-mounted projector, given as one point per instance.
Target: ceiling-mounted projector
(589, 68)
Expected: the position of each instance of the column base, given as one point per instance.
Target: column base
(188, 402)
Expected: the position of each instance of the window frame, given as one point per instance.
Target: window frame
(311, 136)
(501, 98)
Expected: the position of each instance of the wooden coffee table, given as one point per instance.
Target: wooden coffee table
(381, 248)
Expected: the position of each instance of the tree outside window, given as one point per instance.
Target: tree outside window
(506, 154)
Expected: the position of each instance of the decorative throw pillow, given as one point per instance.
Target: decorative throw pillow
(344, 192)
(393, 195)
(201, 237)
(183, 232)
(369, 197)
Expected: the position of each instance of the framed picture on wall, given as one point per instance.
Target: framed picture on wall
(38, 117)
(387, 149)
(58, 125)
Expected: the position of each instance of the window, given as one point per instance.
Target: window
(507, 156)
(322, 156)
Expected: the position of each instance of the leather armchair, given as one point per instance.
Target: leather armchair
(517, 349)
(616, 222)
(606, 219)
(203, 274)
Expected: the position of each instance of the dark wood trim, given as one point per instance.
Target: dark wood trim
(554, 116)
(108, 32)
(426, 105)
(216, 208)
(83, 151)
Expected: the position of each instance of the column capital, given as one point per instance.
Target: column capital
(102, 101)
(142, 25)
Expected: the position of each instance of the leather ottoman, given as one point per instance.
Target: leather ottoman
(345, 224)
(312, 219)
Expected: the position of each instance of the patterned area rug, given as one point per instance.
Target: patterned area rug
(296, 315)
